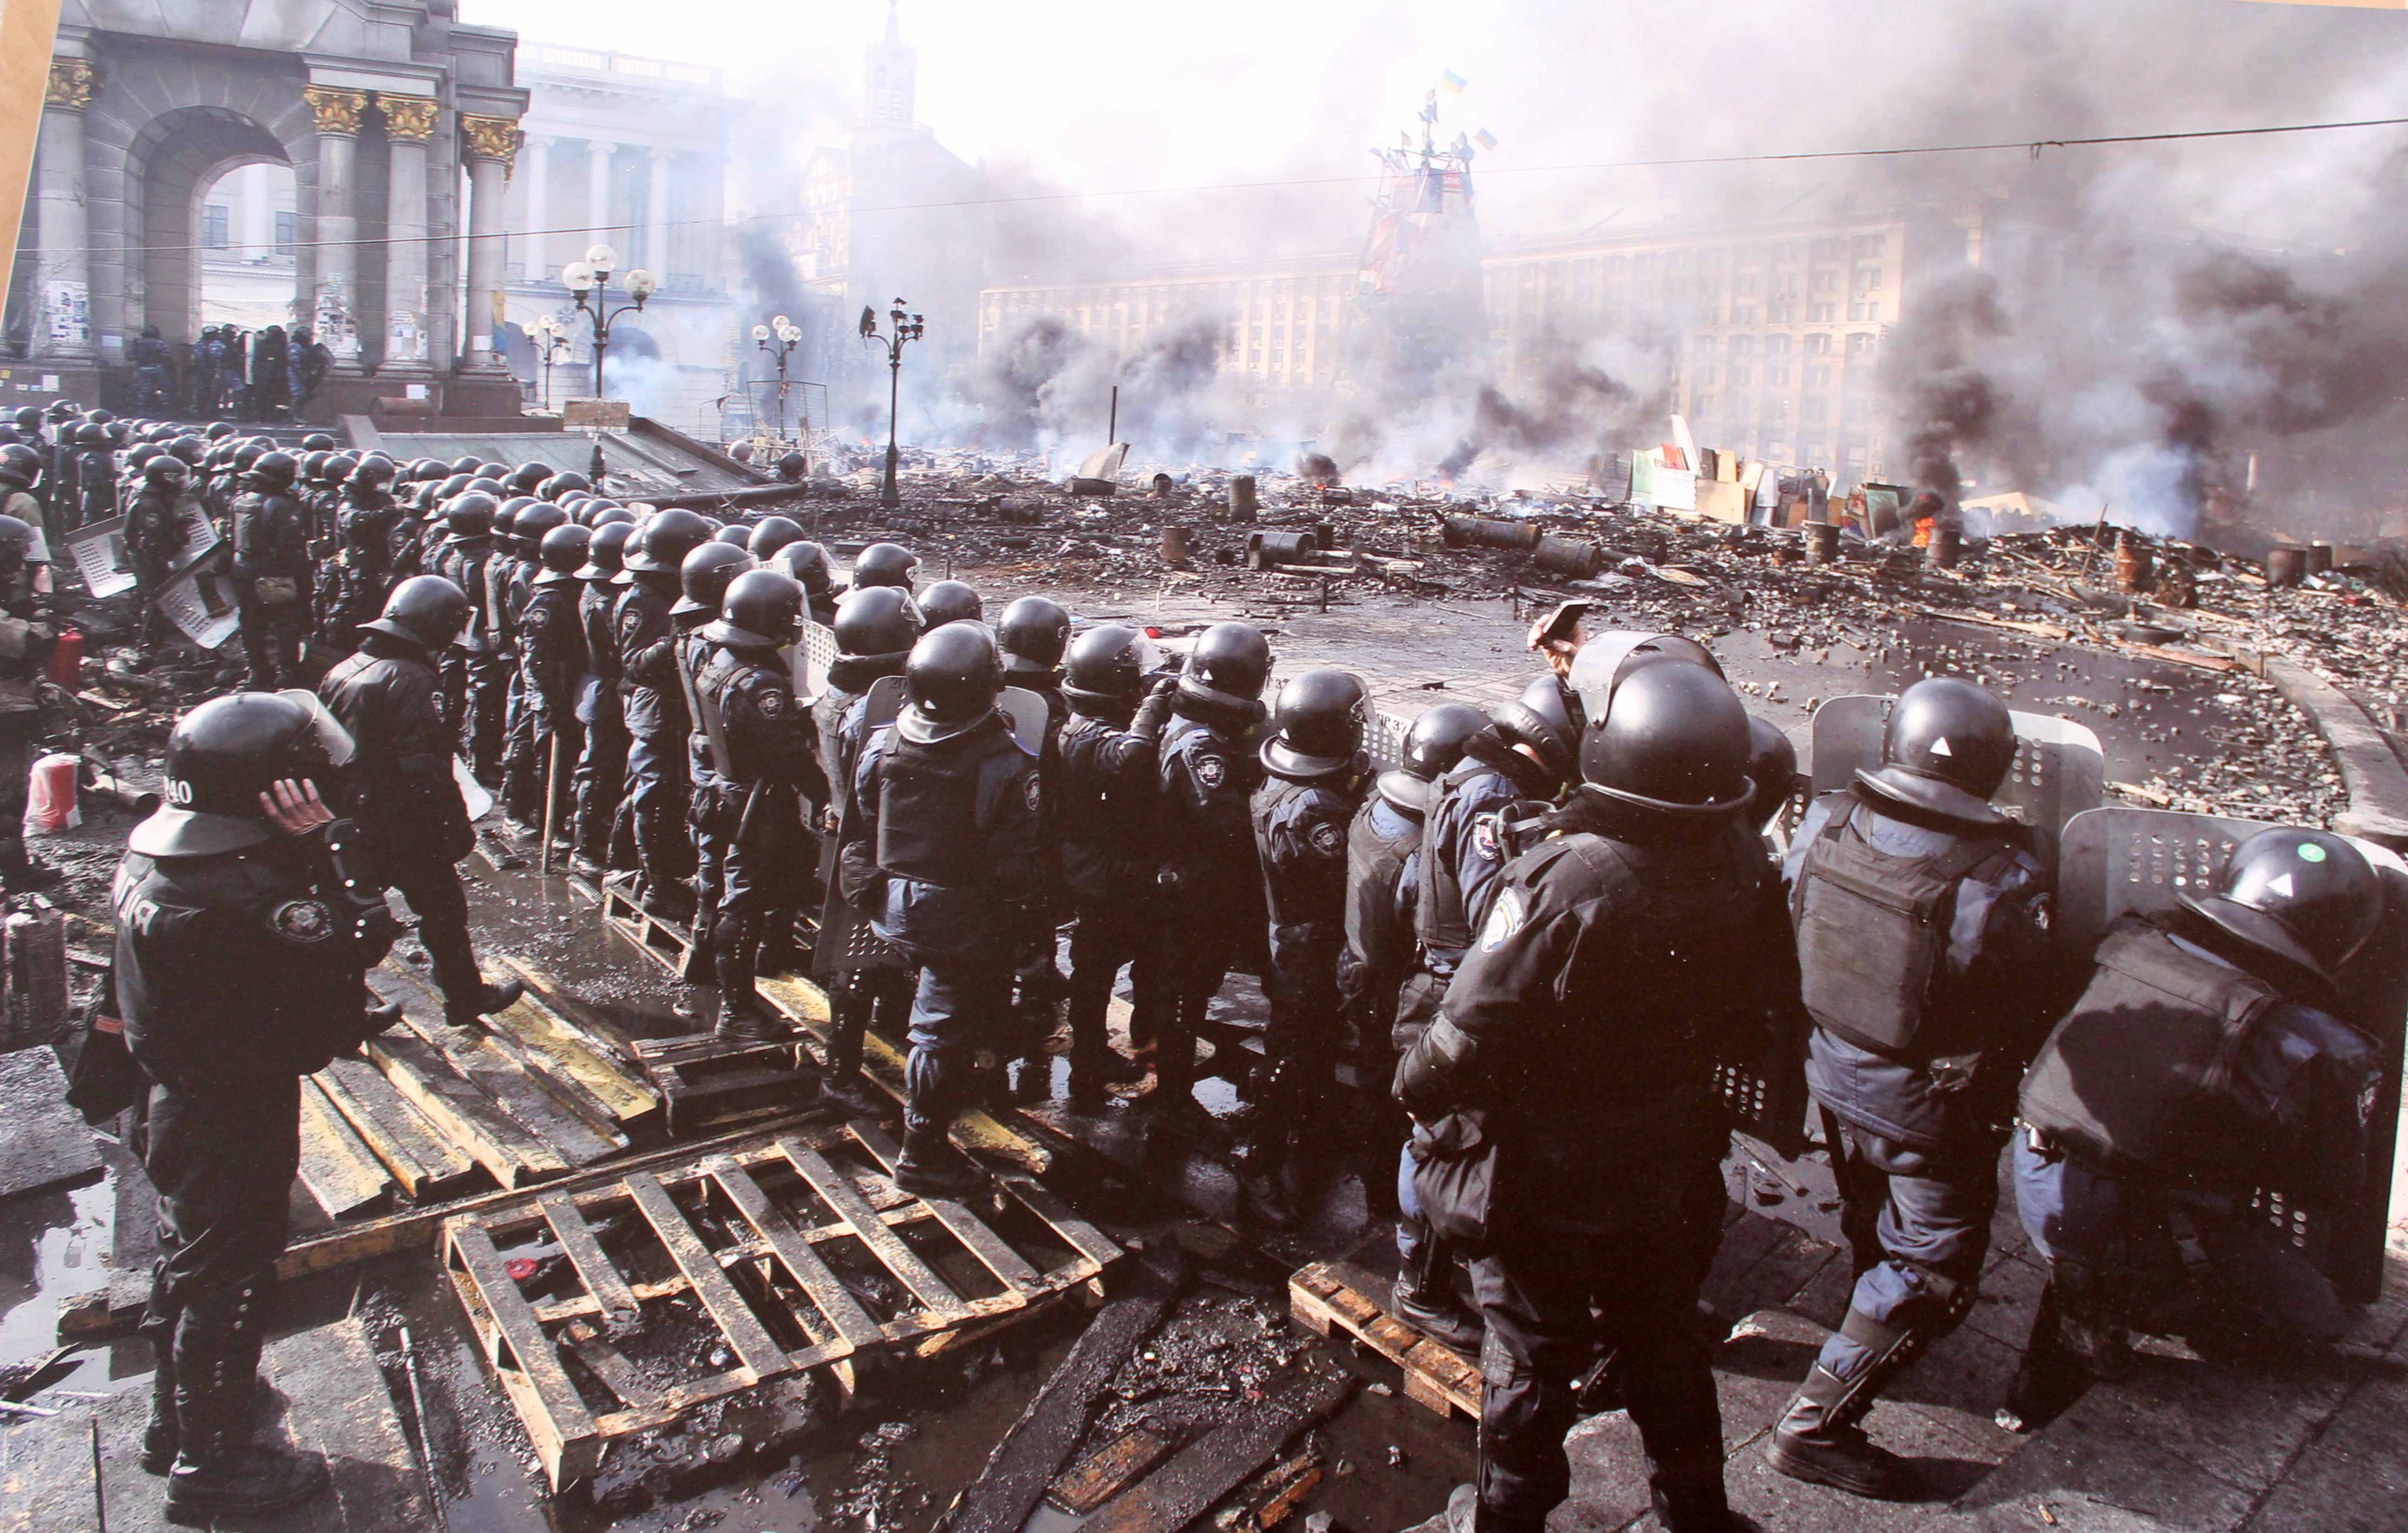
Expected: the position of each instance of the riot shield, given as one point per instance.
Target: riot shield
(809, 660)
(2059, 769)
(1386, 739)
(846, 942)
(1027, 713)
(2118, 862)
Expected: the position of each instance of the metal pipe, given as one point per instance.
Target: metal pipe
(1574, 556)
(1481, 532)
(1269, 550)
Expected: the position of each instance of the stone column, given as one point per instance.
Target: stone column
(533, 243)
(597, 199)
(656, 216)
(63, 303)
(336, 323)
(488, 144)
(409, 127)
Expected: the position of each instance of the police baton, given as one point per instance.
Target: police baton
(551, 803)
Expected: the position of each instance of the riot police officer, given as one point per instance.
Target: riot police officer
(770, 771)
(1032, 633)
(808, 561)
(467, 543)
(366, 517)
(20, 469)
(95, 480)
(703, 580)
(552, 665)
(155, 535)
(1525, 755)
(875, 630)
(654, 706)
(413, 825)
(152, 385)
(1108, 785)
(1564, 1104)
(1209, 873)
(2128, 1145)
(951, 601)
(1921, 921)
(242, 938)
(885, 563)
(523, 762)
(1313, 768)
(945, 850)
(602, 765)
(271, 571)
(26, 639)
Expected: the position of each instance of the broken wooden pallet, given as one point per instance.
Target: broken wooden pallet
(795, 1252)
(586, 1079)
(703, 1081)
(1326, 1295)
(664, 942)
(424, 1163)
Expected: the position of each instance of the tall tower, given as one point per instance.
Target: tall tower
(891, 79)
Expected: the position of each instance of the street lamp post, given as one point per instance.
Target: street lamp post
(908, 328)
(553, 344)
(786, 335)
(590, 281)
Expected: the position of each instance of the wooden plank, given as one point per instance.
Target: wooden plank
(1010, 1268)
(555, 1415)
(611, 1366)
(1322, 1297)
(844, 1313)
(341, 1173)
(573, 1062)
(838, 1191)
(568, 1120)
(1221, 1460)
(1273, 1494)
(1008, 1489)
(1110, 1470)
(462, 1114)
(752, 1344)
(44, 1143)
(1092, 1244)
(571, 1014)
(594, 1269)
(424, 1163)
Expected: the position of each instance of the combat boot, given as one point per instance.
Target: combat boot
(930, 1166)
(481, 1000)
(220, 1471)
(160, 1434)
(1820, 1440)
(1426, 1299)
(841, 1086)
(1695, 1503)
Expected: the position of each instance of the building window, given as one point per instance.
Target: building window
(213, 226)
(1859, 346)
(1865, 245)
(1822, 313)
(288, 233)
(1863, 312)
(1826, 249)
(1868, 279)
(1827, 280)
(1818, 375)
(1742, 314)
(1818, 346)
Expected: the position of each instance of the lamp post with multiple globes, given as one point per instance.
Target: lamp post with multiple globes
(906, 328)
(589, 281)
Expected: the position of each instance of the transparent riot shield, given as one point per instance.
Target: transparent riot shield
(2059, 769)
(846, 942)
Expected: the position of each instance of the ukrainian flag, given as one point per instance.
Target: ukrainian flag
(1452, 81)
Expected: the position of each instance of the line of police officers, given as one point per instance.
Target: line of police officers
(1553, 921)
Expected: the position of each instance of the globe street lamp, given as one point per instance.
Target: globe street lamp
(787, 336)
(550, 337)
(590, 281)
(908, 328)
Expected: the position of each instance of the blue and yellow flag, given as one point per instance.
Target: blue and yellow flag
(1452, 81)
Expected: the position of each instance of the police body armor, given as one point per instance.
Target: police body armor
(1872, 930)
(1318, 900)
(928, 801)
(2161, 1029)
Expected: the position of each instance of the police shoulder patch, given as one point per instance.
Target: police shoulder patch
(1504, 919)
(1210, 771)
(1035, 787)
(1327, 839)
(1483, 838)
(536, 615)
(302, 921)
(772, 702)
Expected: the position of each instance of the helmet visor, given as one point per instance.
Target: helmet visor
(332, 737)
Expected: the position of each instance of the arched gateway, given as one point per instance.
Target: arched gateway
(377, 105)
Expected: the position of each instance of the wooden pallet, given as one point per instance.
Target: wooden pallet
(666, 942)
(756, 1238)
(704, 1082)
(1326, 1295)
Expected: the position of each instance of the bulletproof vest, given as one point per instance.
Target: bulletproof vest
(928, 806)
(694, 662)
(1873, 931)
(466, 566)
(1106, 823)
(594, 604)
(1374, 865)
(1308, 893)
(2139, 1076)
(1440, 919)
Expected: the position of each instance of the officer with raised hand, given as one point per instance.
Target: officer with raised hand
(945, 848)
(602, 765)
(875, 631)
(1921, 919)
(399, 786)
(1568, 1122)
(747, 698)
(1210, 877)
(1525, 755)
(1107, 812)
(243, 934)
(2205, 1060)
(712, 799)
(653, 704)
(1313, 769)
(271, 571)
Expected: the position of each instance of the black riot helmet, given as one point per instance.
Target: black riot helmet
(790, 466)
(141, 455)
(317, 441)
(1948, 747)
(468, 464)
(28, 417)
(528, 475)
(488, 484)
(453, 484)
(469, 514)
(762, 608)
(609, 515)
(165, 470)
(2306, 898)
(772, 534)
(218, 430)
(951, 601)
(245, 454)
(1771, 765)
(1229, 665)
(884, 563)
(20, 465)
(506, 525)
(878, 622)
(563, 553)
(603, 554)
(1105, 672)
(314, 465)
(17, 546)
(562, 483)
(807, 562)
(1433, 745)
(1540, 720)
(536, 520)
(1675, 742)
(1321, 716)
(666, 539)
(704, 575)
(425, 609)
(735, 534)
(374, 472)
(274, 471)
(1034, 631)
(93, 434)
(188, 448)
(1606, 659)
(222, 757)
(953, 678)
